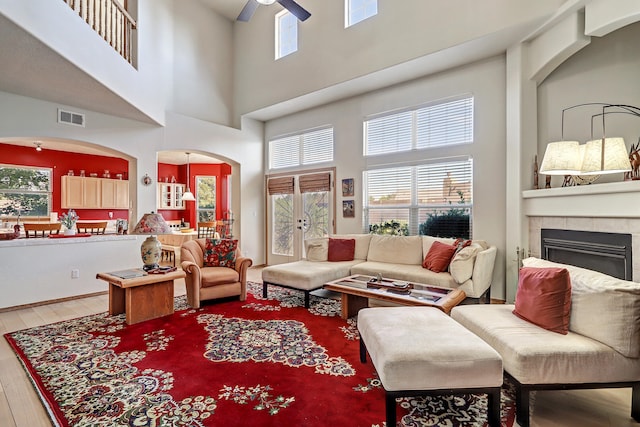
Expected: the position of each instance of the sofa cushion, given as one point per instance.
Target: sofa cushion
(220, 253)
(439, 257)
(307, 275)
(427, 241)
(395, 249)
(536, 356)
(615, 301)
(461, 266)
(317, 249)
(362, 243)
(544, 298)
(341, 249)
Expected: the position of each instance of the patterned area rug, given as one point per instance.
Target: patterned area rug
(258, 362)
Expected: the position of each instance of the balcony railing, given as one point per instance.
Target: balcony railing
(110, 20)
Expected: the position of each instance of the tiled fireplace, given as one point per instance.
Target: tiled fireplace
(609, 208)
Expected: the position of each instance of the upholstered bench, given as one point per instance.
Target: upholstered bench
(421, 351)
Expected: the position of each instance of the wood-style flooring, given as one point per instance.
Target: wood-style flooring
(21, 407)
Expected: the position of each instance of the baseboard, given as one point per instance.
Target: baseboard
(51, 301)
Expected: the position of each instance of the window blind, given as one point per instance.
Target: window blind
(281, 185)
(315, 182)
(445, 123)
(302, 149)
(411, 194)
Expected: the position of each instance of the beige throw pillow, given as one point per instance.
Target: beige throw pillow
(317, 249)
(461, 266)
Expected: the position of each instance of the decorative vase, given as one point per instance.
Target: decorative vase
(70, 232)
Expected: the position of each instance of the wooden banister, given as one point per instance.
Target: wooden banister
(110, 20)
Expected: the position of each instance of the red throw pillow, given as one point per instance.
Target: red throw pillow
(341, 249)
(544, 298)
(439, 257)
(220, 253)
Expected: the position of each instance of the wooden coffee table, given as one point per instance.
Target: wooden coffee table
(355, 292)
(141, 298)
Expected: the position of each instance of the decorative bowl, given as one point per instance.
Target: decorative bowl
(186, 230)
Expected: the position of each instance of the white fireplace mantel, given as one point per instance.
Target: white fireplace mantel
(608, 200)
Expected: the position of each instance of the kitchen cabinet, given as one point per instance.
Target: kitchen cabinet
(170, 195)
(114, 194)
(78, 192)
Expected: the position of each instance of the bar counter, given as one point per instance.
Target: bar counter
(37, 270)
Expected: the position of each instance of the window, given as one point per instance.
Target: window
(25, 191)
(301, 149)
(206, 203)
(436, 125)
(359, 10)
(421, 198)
(286, 34)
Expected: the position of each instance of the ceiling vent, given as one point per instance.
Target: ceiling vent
(70, 118)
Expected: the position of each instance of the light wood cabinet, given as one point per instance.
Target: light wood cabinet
(170, 195)
(114, 194)
(78, 192)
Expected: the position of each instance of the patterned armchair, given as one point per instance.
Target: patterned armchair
(204, 282)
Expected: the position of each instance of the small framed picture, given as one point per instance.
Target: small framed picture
(348, 210)
(347, 187)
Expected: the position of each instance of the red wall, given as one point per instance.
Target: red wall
(221, 171)
(61, 162)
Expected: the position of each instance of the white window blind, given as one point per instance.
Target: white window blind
(409, 194)
(445, 123)
(286, 34)
(302, 149)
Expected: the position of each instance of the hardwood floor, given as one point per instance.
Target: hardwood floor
(21, 407)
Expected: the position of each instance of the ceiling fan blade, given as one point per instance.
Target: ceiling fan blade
(293, 7)
(248, 10)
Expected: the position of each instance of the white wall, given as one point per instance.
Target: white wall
(202, 57)
(486, 82)
(329, 54)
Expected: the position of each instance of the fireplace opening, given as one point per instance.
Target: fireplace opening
(608, 253)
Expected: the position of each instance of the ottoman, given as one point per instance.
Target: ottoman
(421, 351)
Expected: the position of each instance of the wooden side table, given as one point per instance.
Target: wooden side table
(141, 298)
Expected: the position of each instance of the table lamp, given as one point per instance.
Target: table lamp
(151, 223)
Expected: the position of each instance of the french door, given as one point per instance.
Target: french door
(299, 206)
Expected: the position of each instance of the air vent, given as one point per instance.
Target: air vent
(70, 118)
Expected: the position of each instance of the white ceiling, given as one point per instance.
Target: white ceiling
(230, 9)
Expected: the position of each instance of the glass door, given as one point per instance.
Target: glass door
(299, 207)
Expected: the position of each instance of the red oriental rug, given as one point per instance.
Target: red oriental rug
(258, 362)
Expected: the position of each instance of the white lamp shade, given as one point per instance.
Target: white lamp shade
(187, 196)
(562, 158)
(615, 154)
(267, 2)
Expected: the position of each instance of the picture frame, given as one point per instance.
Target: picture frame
(347, 187)
(348, 209)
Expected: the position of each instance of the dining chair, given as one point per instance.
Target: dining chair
(43, 229)
(96, 227)
(206, 229)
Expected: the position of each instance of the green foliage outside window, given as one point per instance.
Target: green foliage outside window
(391, 227)
(24, 191)
(453, 222)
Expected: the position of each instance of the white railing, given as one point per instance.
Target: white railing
(110, 20)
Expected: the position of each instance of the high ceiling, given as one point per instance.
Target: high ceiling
(228, 8)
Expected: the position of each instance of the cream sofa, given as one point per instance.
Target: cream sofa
(397, 257)
(601, 350)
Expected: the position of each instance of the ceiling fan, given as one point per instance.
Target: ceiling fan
(293, 7)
